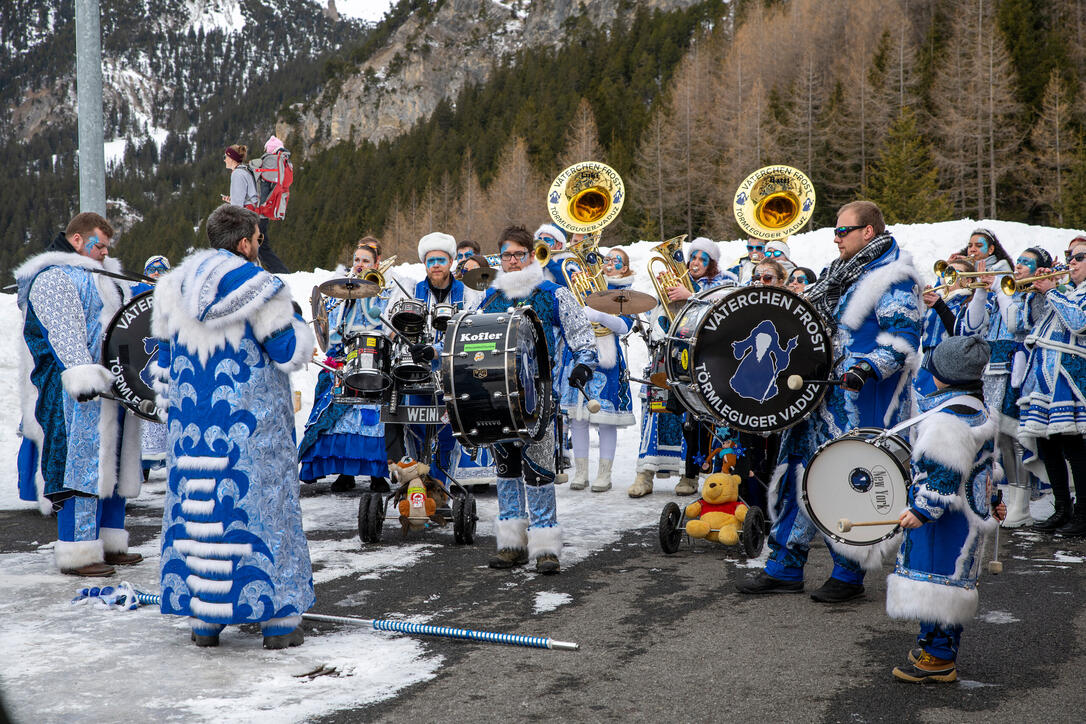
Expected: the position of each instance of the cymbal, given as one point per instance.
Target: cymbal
(479, 278)
(348, 288)
(621, 301)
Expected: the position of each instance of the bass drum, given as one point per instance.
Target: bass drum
(128, 349)
(859, 477)
(731, 350)
(496, 374)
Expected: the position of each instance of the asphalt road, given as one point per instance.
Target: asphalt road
(666, 637)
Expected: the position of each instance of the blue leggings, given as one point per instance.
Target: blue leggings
(940, 641)
(81, 517)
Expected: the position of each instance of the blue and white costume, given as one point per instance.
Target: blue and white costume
(935, 578)
(527, 513)
(1053, 398)
(153, 446)
(609, 384)
(83, 456)
(935, 331)
(233, 549)
(662, 450)
(878, 323)
(343, 438)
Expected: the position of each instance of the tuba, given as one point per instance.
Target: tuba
(583, 199)
(774, 202)
(673, 272)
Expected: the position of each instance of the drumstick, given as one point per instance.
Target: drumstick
(795, 382)
(145, 406)
(845, 525)
(592, 405)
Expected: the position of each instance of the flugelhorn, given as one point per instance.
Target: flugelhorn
(774, 202)
(673, 274)
(1010, 285)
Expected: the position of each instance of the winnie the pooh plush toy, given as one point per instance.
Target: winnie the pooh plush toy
(718, 515)
(418, 493)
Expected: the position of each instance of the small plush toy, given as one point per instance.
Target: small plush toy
(419, 494)
(718, 515)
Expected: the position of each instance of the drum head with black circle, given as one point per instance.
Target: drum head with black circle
(746, 348)
(128, 349)
(852, 478)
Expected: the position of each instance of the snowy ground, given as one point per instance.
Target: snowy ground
(45, 638)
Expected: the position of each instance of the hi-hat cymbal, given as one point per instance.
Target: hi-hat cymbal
(479, 278)
(348, 288)
(621, 301)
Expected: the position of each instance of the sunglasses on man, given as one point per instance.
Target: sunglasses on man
(774, 253)
(156, 267)
(843, 231)
(1079, 257)
(766, 278)
(755, 247)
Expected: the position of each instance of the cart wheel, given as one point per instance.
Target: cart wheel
(376, 516)
(670, 532)
(364, 517)
(464, 518)
(754, 532)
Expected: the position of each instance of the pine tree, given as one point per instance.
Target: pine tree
(1051, 154)
(904, 178)
(582, 139)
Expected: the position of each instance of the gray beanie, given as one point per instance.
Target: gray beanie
(958, 360)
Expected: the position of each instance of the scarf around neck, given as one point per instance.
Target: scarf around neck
(842, 274)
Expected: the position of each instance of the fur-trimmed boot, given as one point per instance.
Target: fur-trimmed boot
(512, 537)
(82, 558)
(544, 545)
(1017, 500)
(642, 485)
(602, 483)
(115, 546)
(579, 481)
(686, 486)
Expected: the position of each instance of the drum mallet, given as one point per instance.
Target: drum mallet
(145, 406)
(845, 525)
(995, 566)
(592, 405)
(796, 382)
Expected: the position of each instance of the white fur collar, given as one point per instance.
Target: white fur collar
(113, 292)
(519, 284)
(187, 304)
(951, 441)
(874, 284)
(621, 282)
(959, 293)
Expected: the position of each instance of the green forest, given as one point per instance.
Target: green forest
(935, 109)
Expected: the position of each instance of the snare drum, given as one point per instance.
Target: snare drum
(366, 364)
(862, 477)
(408, 317)
(731, 350)
(441, 315)
(496, 373)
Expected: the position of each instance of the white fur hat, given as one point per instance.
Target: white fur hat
(436, 241)
(553, 230)
(779, 245)
(706, 245)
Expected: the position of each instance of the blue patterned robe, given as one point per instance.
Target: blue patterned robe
(1053, 398)
(66, 310)
(935, 332)
(233, 550)
(935, 578)
(878, 323)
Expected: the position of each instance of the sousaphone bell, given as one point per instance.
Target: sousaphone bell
(774, 202)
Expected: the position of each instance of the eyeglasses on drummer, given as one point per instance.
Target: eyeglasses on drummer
(843, 231)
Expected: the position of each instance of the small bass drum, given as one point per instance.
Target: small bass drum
(496, 374)
(128, 349)
(860, 477)
(731, 350)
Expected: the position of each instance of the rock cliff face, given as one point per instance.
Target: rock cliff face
(432, 57)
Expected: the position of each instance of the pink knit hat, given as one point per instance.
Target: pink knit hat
(272, 145)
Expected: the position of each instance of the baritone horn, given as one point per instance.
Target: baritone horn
(1009, 285)
(673, 274)
(774, 202)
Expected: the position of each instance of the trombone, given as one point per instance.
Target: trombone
(1010, 285)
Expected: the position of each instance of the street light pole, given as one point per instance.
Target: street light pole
(88, 71)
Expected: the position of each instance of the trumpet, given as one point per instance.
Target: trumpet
(673, 274)
(951, 275)
(944, 288)
(1010, 285)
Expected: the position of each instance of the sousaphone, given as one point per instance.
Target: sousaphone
(774, 202)
(585, 197)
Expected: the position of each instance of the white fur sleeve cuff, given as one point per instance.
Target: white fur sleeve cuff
(84, 380)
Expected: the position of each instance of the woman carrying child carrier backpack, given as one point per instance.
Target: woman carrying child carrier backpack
(244, 192)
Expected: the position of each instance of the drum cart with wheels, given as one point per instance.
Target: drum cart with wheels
(461, 510)
(672, 529)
